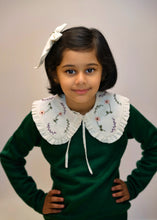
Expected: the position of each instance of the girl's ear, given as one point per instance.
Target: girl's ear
(56, 80)
(103, 76)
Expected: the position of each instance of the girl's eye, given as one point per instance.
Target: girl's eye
(90, 70)
(70, 71)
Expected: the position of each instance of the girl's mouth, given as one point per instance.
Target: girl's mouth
(81, 91)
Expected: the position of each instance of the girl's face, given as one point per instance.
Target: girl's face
(79, 75)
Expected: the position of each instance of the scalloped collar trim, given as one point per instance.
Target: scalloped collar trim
(106, 121)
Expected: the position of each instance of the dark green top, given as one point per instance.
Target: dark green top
(86, 196)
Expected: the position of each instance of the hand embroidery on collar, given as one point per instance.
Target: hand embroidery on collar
(106, 121)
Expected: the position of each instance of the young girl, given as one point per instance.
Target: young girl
(83, 132)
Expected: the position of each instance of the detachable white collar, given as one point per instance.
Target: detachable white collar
(57, 124)
(105, 121)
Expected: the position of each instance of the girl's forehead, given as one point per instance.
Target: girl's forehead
(72, 56)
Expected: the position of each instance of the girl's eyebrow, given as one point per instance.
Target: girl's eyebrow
(71, 65)
(68, 65)
(92, 64)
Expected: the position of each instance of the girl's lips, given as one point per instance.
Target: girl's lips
(81, 91)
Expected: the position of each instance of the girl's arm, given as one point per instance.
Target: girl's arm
(13, 162)
(146, 134)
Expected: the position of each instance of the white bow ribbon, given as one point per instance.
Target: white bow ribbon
(55, 36)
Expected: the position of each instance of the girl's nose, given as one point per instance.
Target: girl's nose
(80, 78)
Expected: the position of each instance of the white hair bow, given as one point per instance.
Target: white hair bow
(55, 36)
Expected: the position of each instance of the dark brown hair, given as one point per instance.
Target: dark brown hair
(81, 39)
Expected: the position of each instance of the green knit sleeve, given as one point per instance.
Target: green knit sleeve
(13, 162)
(146, 134)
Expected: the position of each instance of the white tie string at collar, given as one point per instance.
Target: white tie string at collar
(85, 150)
(55, 36)
(67, 155)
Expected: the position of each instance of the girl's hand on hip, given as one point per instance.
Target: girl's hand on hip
(52, 202)
(121, 191)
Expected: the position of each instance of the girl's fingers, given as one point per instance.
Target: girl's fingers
(122, 189)
(118, 187)
(118, 181)
(54, 192)
(118, 194)
(123, 199)
(53, 211)
(56, 206)
(57, 199)
(53, 203)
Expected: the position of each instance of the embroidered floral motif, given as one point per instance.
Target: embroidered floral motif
(97, 107)
(116, 100)
(102, 94)
(57, 116)
(100, 126)
(49, 129)
(48, 98)
(49, 108)
(64, 108)
(114, 125)
(108, 112)
(68, 125)
(97, 119)
(42, 112)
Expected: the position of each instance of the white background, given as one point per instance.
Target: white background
(130, 27)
